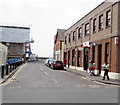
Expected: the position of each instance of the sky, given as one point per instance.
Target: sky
(44, 17)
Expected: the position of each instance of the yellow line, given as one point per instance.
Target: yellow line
(14, 76)
(87, 78)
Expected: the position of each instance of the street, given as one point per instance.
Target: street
(36, 83)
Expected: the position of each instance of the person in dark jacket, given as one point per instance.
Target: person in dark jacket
(106, 70)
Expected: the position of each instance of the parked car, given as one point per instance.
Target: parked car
(57, 65)
(48, 62)
(10, 61)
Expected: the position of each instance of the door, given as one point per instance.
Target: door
(86, 55)
(68, 59)
(99, 58)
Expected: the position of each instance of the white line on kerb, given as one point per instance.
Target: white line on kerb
(46, 73)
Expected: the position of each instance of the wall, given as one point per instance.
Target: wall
(3, 54)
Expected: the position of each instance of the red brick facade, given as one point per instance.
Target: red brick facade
(95, 37)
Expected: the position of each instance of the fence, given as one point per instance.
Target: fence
(8, 68)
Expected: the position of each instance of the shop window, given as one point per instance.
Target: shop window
(101, 22)
(87, 29)
(107, 48)
(94, 25)
(108, 18)
(79, 32)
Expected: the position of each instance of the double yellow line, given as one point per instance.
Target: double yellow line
(13, 77)
(87, 78)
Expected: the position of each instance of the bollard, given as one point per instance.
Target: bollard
(2, 72)
(10, 67)
(13, 66)
(7, 69)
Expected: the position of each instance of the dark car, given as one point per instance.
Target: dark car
(57, 65)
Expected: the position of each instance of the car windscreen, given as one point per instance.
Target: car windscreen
(58, 62)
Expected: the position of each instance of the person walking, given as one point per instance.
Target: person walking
(106, 70)
(91, 68)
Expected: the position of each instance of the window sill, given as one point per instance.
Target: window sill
(94, 32)
(108, 26)
(100, 29)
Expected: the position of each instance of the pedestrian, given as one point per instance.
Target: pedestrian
(91, 68)
(106, 70)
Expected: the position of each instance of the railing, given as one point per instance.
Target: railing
(8, 68)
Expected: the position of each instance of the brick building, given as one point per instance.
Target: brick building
(59, 44)
(95, 37)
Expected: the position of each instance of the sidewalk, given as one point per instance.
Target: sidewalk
(93, 78)
(10, 75)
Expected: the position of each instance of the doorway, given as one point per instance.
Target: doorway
(86, 60)
(68, 59)
(99, 58)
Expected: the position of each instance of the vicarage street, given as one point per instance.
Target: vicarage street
(36, 83)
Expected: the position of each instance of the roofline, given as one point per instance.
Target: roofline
(18, 27)
(86, 15)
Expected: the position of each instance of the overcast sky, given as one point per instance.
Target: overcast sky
(44, 18)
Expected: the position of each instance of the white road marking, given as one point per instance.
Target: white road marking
(46, 73)
(41, 69)
(55, 80)
(94, 86)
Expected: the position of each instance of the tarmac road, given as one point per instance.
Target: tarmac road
(37, 83)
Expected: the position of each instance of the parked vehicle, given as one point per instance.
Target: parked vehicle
(10, 61)
(57, 65)
(48, 62)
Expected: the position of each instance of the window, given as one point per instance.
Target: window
(87, 31)
(107, 48)
(65, 39)
(94, 25)
(69, 38)
(108, 18)
(79, 32)
(74, 35)
(101, 22)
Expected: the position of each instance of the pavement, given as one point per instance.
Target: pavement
(81, 73)
(2, 80)
(93, 78)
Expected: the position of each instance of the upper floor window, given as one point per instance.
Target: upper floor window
(79, 32)
(69, 39)
(108, 18)
(65, 39)
(74, 35)
(101, 22)
(87, 29)
(94, 25)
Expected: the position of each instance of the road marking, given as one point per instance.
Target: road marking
(55, 80)
(14, 76)
(41, 69)
(46, 73)
(81, 85)
(94, 86)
